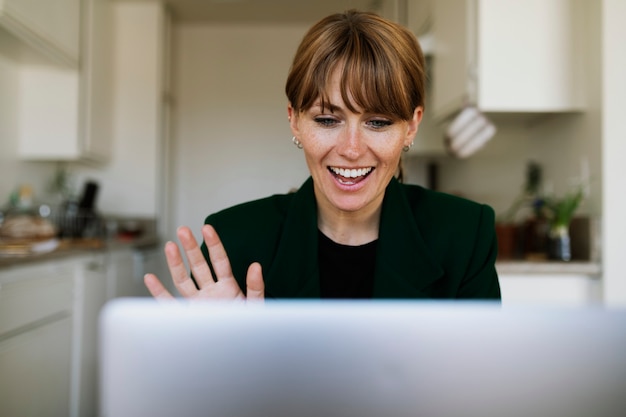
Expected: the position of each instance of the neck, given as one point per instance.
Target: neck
(349, 228)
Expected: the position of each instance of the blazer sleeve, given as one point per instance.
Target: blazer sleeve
(481, 278)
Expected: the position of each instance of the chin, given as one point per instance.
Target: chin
(350, 204)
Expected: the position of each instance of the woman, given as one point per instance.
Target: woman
(356, 99)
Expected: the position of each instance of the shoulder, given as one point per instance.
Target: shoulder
(460, 236)
(257, 213)
(442, 204)
(440, 215)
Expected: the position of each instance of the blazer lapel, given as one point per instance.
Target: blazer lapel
(404, 265)
(294, 271)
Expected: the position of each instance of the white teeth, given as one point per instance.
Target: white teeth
(351, 173)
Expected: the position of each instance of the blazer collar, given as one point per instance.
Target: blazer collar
(294, 271)
(404, 265)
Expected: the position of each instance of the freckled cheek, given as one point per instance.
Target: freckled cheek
(388, 151)
(316, 144)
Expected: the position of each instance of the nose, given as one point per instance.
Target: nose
(351, 143)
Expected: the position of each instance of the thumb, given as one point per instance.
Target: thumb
(255, 287)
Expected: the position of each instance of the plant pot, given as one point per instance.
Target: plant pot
(507, 240)
(535, 238)
(559, 246)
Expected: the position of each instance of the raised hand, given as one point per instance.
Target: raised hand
(222, 286)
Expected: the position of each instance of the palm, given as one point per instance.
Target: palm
(223, 286)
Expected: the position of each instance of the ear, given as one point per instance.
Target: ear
(293, 120)
(413, 125)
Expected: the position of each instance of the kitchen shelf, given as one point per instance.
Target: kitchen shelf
(531, 268)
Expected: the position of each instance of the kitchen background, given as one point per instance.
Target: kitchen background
(177, 110)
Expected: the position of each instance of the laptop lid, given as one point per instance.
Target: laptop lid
(359, 359)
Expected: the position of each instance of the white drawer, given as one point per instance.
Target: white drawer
(33, 293)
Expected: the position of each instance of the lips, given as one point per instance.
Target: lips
(350, 176)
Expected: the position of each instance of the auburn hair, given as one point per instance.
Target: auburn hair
(381, 64)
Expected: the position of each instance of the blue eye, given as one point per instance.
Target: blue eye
(325, 121)
(379, 123)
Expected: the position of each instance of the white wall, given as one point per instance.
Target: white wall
(495, 174)
(231, 140)
(614, 150)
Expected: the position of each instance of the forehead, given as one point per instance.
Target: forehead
(336, 92)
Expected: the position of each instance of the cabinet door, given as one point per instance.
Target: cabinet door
(35, 371)
(96, 81)
(122, 275)
(33, 295)
(453, 77)
(551, 290)
(527, 56)
(508, 56)
(91, 295)
(51, 26)
(48, 113)
(66, 113)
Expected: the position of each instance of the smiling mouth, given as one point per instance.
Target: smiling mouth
(350, 176)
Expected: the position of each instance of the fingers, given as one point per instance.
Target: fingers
(177, 268)
(217, 253)
(254, 283)
(224, 286)
(197, 262)
(156, 288)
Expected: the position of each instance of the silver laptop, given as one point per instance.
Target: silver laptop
(360, 359)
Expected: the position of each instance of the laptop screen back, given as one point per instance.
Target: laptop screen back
(360, 359)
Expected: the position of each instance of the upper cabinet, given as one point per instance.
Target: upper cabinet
(50, 26)
(65, 113)
(96, 82)
(507, 56)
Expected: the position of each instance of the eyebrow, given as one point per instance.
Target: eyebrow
(332, 107)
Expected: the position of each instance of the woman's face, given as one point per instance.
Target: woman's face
(351, 156)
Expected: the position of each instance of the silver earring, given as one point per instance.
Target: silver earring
(407, 147)
(296, 142)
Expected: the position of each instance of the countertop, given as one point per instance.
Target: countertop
(74, 247)
(147, 241)
(142, 235)
(536, 268)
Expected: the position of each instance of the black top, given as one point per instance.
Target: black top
(346, 271)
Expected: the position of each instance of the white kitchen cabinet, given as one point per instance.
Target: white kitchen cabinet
(66, 113)
(49, 331)
(90, 296)
(96, 81)
(429, 140)
(121, 274)
(102, 276)
(36, 339)
(507, 56)
(52, 27)
(35, 371)
(570, 290)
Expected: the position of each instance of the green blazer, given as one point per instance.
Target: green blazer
(431, 245)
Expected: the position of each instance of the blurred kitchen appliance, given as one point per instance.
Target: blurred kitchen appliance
(468, 132)
(79, 218)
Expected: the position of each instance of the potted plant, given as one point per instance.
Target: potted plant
(560, 212)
